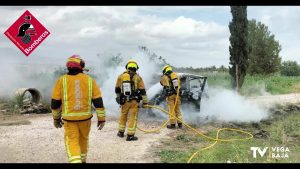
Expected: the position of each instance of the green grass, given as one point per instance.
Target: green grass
(284, 132)
(257, 84)
(273, 84)
(18, 100)
(218, 79)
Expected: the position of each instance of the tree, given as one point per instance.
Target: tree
(238, 48)
(264, 54)
(116, 60)
(290, 68)
(159, 60)
(222, 69)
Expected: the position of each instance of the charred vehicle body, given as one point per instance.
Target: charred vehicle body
(191, 92)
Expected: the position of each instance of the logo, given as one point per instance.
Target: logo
(27, 33)
(274, 152)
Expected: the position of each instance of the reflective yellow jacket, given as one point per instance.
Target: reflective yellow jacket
(76, 93)
(137, 81)
(166, 81)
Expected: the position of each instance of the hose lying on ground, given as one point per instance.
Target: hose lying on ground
(216, 139)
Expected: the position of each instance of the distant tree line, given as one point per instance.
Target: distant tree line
(201, 69)
(290, 68)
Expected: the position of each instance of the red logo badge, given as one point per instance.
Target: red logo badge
(27, 33)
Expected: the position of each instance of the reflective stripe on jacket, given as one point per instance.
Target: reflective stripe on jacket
(76, 93)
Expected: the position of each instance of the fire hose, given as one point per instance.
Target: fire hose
(216, 139)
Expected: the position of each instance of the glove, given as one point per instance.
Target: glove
(100, 124)
(139, 98)
(118, 100)
(58, 123)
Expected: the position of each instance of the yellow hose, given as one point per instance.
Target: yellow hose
(166, 122)
(216, 139)
(154, 130)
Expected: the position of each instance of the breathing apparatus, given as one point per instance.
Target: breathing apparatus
(126, 86)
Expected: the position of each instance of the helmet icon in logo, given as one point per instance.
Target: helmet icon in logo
(26, 30)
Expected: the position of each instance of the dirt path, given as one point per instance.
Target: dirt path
(269, 101)
(40, 142)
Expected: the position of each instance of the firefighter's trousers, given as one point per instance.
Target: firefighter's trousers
(175, 111)
(77, 140)
(130, 107)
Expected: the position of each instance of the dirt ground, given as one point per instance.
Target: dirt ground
(40, 142)
(270, 101)
(33, 138)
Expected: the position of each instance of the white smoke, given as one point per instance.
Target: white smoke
(17, 76)
(257, 89)
(154, 89)
(39, 74)
(228, 106)
(18, 71)
(222, 105)
(107, 77)
(217, 104)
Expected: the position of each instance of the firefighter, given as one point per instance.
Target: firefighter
(130, 91)
(171, 84)
(71, 105)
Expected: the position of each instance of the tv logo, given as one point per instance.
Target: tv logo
(274, 152)
(257, 149)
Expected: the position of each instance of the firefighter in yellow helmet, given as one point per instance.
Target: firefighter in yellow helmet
(130, 90)
(171, 82)
(71, 105)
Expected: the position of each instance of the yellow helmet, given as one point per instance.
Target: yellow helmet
(132, 64)
(166, 69)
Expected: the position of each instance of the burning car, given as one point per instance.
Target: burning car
(192, 91)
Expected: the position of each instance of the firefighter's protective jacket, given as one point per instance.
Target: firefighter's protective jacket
(72, 98)
(169, 81)
(137, 85)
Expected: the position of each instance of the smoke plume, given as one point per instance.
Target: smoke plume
(226, 106)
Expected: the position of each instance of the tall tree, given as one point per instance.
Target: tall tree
(238, 48)
(264, 54)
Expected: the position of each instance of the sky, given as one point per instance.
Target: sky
(196, 36)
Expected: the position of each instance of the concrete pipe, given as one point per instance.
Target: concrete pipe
(35, 94)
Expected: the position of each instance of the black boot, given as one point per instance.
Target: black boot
(172, 126)
(179, 125)
(131, 138)
(120, 134)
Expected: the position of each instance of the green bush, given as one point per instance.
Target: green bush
(290, 68)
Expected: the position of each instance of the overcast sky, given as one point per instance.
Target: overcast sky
(184, 35)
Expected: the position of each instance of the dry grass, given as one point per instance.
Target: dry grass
(297, 87)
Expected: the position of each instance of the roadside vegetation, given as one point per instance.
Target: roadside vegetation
(281, 131)
(255, 85)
